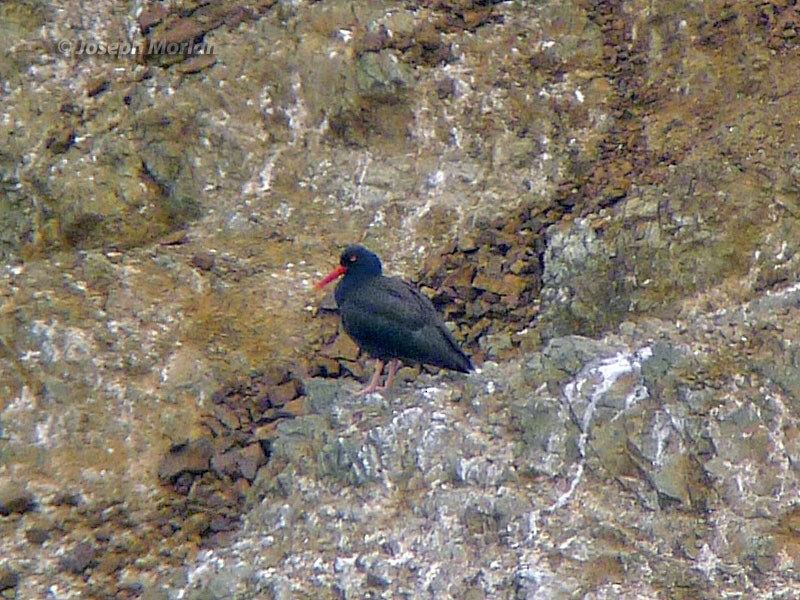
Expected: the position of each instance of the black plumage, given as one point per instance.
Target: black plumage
(390, 319)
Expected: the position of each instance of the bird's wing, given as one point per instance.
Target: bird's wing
(396, 302)
(391, 319)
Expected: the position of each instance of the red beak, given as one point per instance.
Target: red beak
(337, 272)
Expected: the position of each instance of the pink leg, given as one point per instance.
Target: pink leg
(393, 366)
(372, 386)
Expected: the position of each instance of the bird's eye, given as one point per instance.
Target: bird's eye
(353, 258)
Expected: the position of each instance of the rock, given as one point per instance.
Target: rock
(81, 557)
(61, 139)
(323, 366)
(152, 16)
(203, 261)
(191, 457)
(506, 285)
(275, 375)
(179, 30)
(197, 524)
(461, 277)
(227, 416)
(266, 433)
(96, 86)
(295, 408)
(445, 88)
(69, 498)
(381, 76)
(131, 589)
(225, 463)
(8, 578)
(239, 462)
(37, 535)
(196, 64)
(14, 498)
(281, 394)
(496, 344)
(343, 347)
(250, 459)
(378, 575)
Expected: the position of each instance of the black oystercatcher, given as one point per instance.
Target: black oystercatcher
(389, 319)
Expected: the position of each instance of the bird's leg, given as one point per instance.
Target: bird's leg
(373, 386)
(393, 366)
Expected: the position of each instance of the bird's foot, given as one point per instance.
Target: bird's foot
(373, 386)
(370, 389)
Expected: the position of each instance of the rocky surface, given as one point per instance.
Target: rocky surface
(604, 468)
(601, 197)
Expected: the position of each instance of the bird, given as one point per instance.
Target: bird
(390, 319)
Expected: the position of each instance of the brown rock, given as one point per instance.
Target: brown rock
(81, 557)
(322, 366)
(96, 86)
(36, 535)
(374, 41)
(478, 328)
(203, 261)
(196, 524)
(461, 277)
(250, 460)
(281, 394)
(181, 30)
(241, 487)
(174, 238)
(294, 407)
(227, 416)
(275, 375)
(110, 562)
(191, 457)
(267, 432)
(61, 139)
(14, 498)
(355, 368)
(468, 243)
(506, 285)
(342, 347)
(476, 309)
(225, 463)
(197, 64)
(8, 578)
(214, 427)
(67, 498)
(445, 87)
(152, 17)
(223, 443)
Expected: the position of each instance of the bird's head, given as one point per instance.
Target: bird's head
(356, 262)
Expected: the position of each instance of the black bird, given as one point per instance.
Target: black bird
(390, 319)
